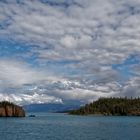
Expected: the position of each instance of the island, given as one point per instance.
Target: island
(110, 107)
(8, 109)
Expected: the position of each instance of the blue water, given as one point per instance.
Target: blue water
(47, 126)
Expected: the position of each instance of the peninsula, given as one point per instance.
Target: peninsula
(110, 107)
(8, 109)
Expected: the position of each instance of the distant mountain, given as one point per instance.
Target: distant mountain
(49, 107)
(111, 106)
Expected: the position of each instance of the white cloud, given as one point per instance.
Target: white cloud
(90, 35)
(23, 99)
(15, 73)
(76, 42)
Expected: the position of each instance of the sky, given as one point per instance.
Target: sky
(69, 51)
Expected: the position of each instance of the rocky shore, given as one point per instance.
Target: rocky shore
(8, 109)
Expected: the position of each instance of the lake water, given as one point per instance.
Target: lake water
(53, 126)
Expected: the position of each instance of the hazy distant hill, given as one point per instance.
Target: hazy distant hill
(111, 106)
(49, 107)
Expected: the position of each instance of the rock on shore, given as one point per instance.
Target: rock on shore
(8, 109)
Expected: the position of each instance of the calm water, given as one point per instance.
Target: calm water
(65, 127)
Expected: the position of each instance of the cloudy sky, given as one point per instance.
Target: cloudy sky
(59, 51)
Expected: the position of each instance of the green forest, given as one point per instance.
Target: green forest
(110, 106)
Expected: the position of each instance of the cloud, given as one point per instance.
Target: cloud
(131, 88)
(70, 41)
(74, 41)
(14, 73)
(17, 80)
(23, 99)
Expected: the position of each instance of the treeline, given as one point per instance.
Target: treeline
(5, 103)
(111, 106)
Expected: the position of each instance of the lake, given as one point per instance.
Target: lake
(57, 126)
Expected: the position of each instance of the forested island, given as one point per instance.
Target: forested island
(8, 109)
(110, 107)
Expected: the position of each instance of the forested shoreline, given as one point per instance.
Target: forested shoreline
(110, 107)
